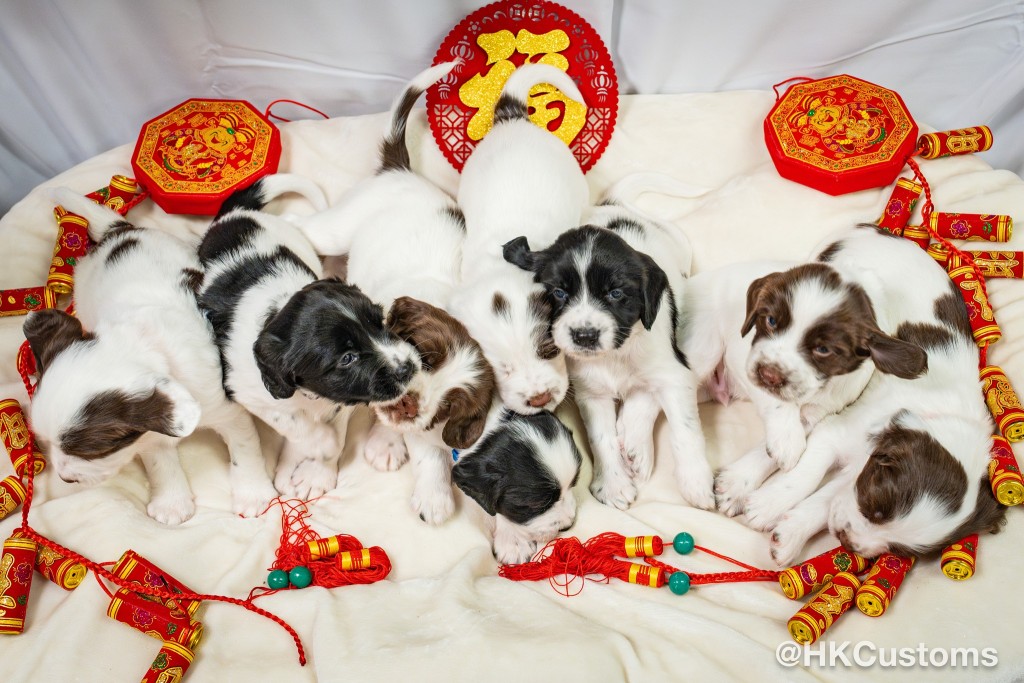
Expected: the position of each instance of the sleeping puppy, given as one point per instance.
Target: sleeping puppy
(297, 351)
(521, 472)
(145, 374)
(802, 344)
(912, 455)
(614, 314)
(519, 180)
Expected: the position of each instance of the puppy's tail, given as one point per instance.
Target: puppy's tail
(268, 188)
(627, 189)
(512, 102)
(394, 155)
(102, 219)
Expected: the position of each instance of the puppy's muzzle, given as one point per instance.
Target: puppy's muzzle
(771, 377)
(404, 372)
(539, 400)
(585, 337)
(405, 408)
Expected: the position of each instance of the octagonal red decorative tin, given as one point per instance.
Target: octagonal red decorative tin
(496, 39)
(192, 157)
(840, 134)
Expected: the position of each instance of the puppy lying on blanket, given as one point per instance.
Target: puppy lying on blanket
(912, 454)
(297, 351)
(518, 180)
(137, 370)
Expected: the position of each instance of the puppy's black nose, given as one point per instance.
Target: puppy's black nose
(771, 376)
(585, 337)
(404, 372)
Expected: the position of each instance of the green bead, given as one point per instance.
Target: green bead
(679, 583)
(300, 577)
(683, 543)
(278, 579)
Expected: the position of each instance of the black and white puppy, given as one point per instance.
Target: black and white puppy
(911, 454)
(614, 315)
(297, 351)
(802, 344)
(519, 180)
(521, 472)
(136, 370)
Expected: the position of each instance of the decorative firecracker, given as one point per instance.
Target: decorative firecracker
(882, 582)
(900, 205)
(972, 226)
(170, 664)
(1004, 473)
(16, 563)
(812, 574)
(66, 572)
(818, 615)
(137, 569)
(959, 559)
(12, 494)
(152, 617)
(192, 157)
(1003, 403)
(17, 440)
(496, 39)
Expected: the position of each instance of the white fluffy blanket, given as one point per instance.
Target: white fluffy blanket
(444, 614)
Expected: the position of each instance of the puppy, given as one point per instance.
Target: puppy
(519, 180)
(815, 344)
(521, 472)
(614, 314)
(137, 370)
(912, 455)
(297, 351)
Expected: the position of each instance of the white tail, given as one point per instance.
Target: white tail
(528, 75)
(274, 186)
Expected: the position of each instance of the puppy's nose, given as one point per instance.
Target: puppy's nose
(539, 400)
(585, 337)
(405, 371)
(408, 406)
(771, 376)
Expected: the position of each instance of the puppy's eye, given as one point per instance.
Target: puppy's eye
(770, 322)
(559, 294)
(822, 351)
(615, 294)
(348, 359)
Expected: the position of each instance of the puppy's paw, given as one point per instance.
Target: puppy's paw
(697, 484)
(638, 456)
(764, 508)
(385, 450)
(311, 478)
(250, 499)
(788, 539)
(172, 508)
(732, 486)
(324, 444)
(512, 549)
(786, 445)
(433, 506)
(614, 488)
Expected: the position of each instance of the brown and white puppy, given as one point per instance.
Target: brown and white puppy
(146, 373)
(816, 342)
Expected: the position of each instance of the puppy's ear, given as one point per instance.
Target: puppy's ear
(480, 479)
(517, 252)
(754, 301)
(49, 332)
(896, 357)
(404, 314)
(269, 352)
(185, 413)
(653, 286)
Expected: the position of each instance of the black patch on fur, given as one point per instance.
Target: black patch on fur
(251, 198)
(509, 108)
(394, 155)
(830, 252)
(674, 311)
(499, 305)
(621, 224)
(506, 475)
(49, 332)
(225, 236)
(191, 280)
(925, 335)
(456, 215)
(121, 249)
(113, 420)
(880, 231)
(117, 229)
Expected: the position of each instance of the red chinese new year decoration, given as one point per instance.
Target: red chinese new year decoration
(492, 42)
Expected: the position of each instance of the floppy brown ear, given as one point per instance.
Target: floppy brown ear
(405, 314)
(896, 357)
(753, 301)
(468, 410)
(49, 332)
(463, 431)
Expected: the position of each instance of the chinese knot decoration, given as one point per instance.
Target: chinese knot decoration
(492, 42)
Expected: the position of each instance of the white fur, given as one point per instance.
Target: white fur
(150, 335)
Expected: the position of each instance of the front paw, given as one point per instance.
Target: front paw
(512, 549)
(311, 478)
(251, 499)
(732, 486)
(434, 506)
(785, 446)
(697, 483)
(614, 488)
(385, 450)
(764, 508)
(788, 539)
(172, 508)
(638, 456)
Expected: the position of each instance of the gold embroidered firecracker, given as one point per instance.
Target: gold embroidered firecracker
(917, 235)
(16, 437)
(812, 574)
(979, 312)
(972, 226)
(882, 582)
(818, 615)
(152, 617)
(12, 494)
(901, 204)
(170, 664)
(66, 572)
(1004, 473)
(1005, 264)
(959, 559)
(135, 568)
(16, 561)
(955, 142)
(1003, 403)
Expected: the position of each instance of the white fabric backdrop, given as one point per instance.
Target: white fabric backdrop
(77, 78)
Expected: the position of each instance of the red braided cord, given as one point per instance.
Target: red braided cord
(753, 574)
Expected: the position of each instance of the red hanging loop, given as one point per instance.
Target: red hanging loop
(794, 79)
(270, 114)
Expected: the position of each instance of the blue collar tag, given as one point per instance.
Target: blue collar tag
(455, 455)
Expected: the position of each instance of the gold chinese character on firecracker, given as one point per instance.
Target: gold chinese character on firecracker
(482, 90)
(963, 144)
